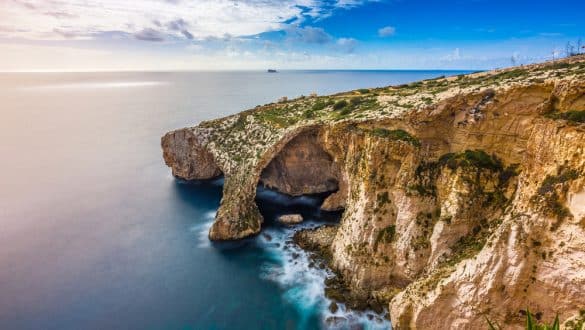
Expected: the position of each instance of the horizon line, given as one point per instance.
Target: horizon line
(235, 70)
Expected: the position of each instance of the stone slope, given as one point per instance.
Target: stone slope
(463, 196)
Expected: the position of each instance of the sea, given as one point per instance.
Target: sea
(95, 232)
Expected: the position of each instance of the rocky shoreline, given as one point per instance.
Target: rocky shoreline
(462, 196)
(318, 241)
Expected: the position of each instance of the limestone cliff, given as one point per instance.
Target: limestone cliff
(464, 196)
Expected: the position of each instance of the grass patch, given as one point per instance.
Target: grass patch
(472, 158)
(548, 196)
(397, 134)
(573, 116)
(321, 104)
(280, 116)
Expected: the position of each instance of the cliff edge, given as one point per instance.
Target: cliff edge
(463, 197)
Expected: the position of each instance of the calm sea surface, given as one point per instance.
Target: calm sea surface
(96, 234)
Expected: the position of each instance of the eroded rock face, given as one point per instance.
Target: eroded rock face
(302, 167)
(184, 152)
(317, 239)
(457, 208)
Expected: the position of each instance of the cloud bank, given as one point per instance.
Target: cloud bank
(157, 20)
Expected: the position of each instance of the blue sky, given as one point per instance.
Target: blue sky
(78, 35)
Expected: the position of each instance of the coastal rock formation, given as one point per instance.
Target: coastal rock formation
(290, 219)
(463, 197)
(185, 153)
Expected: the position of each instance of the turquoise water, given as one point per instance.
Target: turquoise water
(96, 234)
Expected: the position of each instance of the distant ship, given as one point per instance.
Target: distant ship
(272, 71)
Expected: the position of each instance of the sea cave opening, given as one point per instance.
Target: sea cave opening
(298, 180)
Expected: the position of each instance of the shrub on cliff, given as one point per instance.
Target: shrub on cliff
(355, 101)
(475, 158)
(573, 116)
(531, 323)
(397, 134)
(340, 105)
(549, 196)
(320, 105)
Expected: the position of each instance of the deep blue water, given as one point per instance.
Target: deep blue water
(96, 234)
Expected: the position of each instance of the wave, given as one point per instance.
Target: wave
(290, 267)
(202, 230)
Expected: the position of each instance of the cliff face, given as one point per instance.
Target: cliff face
(464, 197)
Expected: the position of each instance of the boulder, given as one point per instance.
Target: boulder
(290, 219)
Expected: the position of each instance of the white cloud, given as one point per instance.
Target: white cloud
(347, 45)
(185, 19)
(387, 31)
(453, 56)
(309, 35)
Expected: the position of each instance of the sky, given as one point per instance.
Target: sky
(160, 35)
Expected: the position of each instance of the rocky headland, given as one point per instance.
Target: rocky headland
(463, 197)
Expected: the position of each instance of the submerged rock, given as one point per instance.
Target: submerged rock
(290, 219)
(333, 307)
(335, 321)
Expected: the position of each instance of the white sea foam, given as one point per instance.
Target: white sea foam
(202, 230)
(304, 286)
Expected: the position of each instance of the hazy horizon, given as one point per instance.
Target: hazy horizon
(241, 70)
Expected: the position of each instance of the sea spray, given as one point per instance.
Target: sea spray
(301, 281)
(202, 230)
(303, 286)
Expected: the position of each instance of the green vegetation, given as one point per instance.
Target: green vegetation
(573, 116)
(468, 158)
(577, 323)
(424, 190)
(426, 223)
(345, 111)
(548, 196)
(240, 123)
(549, 183)
(355, 101)
(363, 91)
(382, 198)
(531, 323)
(321, 104)
(466, 247)
(340, 105)
(473, 161)
(309, 114)
(279, 115)
(385, 235)
(469, 245)
(397, 134)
